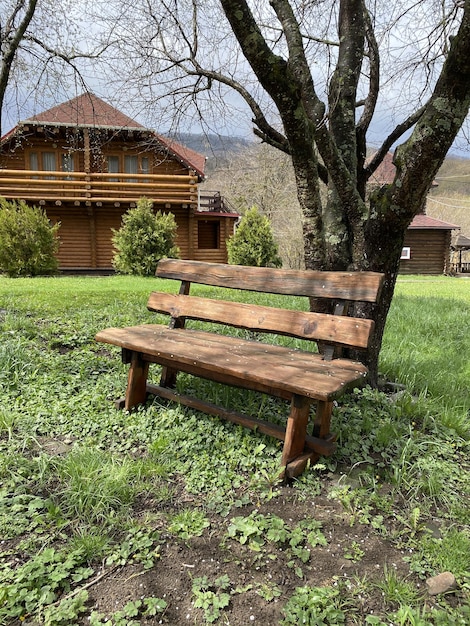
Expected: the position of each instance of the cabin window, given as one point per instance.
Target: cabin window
(113, 166)
(127, 164)
(49, 163)
(33, 161)
(145, 165)
(131, 166)
(208, 234)
(43, 161)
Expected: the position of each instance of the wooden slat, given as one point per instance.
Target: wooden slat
(337, 330)
(357, 286)
(272, 369)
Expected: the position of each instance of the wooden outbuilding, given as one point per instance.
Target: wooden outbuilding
(86, 164)
(427, 245)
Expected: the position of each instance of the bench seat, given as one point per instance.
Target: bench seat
(269, 368)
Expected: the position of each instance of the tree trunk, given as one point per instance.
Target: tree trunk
(350, 231)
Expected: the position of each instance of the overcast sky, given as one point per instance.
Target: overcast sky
(24, 99)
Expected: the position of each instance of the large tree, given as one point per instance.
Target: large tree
(311, 74)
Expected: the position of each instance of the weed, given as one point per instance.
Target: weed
(36, 584)
(140, 609)
(188, 523)
(423, 468)
(8, 421)
(95, 485)
(93, 543)
(451, 553)
(354, 553)
(211, 597)
(396, 590)
(315, 606)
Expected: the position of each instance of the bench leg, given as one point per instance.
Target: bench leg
(136, 392)
(168, 377)
(296, 429)
(322, 422)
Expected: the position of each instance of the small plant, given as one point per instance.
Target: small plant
(354, 553)
(211, 597)
(144, 238)
(396, 590)
(255, 529)
(138, 609)
(188, 523)
(268, 591)
(94, 485)
(28, 242)
(141, 545)
(315, 606)
(67, 611)
(253, 242)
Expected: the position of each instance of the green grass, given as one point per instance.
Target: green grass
(427, 343)
(83, 484)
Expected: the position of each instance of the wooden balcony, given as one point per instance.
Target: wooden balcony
(41, 187)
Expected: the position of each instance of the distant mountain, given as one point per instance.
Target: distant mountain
(216, 148)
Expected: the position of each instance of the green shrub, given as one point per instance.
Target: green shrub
(144, 238)
(253, 242)
(28, 241)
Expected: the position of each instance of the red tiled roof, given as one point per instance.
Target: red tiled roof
(86, 110)
(89, 110)
(197, 160)
(425, 222)
(385, 173)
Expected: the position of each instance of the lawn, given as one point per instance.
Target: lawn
(168, 516)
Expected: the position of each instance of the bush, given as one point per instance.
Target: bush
(253, 242)
(144, 238)
(28, 241)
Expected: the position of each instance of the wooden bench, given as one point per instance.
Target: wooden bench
(301, 376)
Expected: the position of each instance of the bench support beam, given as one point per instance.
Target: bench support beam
(305, 444)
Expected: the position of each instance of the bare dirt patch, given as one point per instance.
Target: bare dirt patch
(260, 582)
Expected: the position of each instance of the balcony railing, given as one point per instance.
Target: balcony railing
(56, 187)
(213, 201)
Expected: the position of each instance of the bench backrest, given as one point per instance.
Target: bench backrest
(337, 330)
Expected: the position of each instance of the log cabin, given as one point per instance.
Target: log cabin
(427, 244)
(86, 163)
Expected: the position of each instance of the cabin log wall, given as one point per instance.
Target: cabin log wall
(430, 252)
